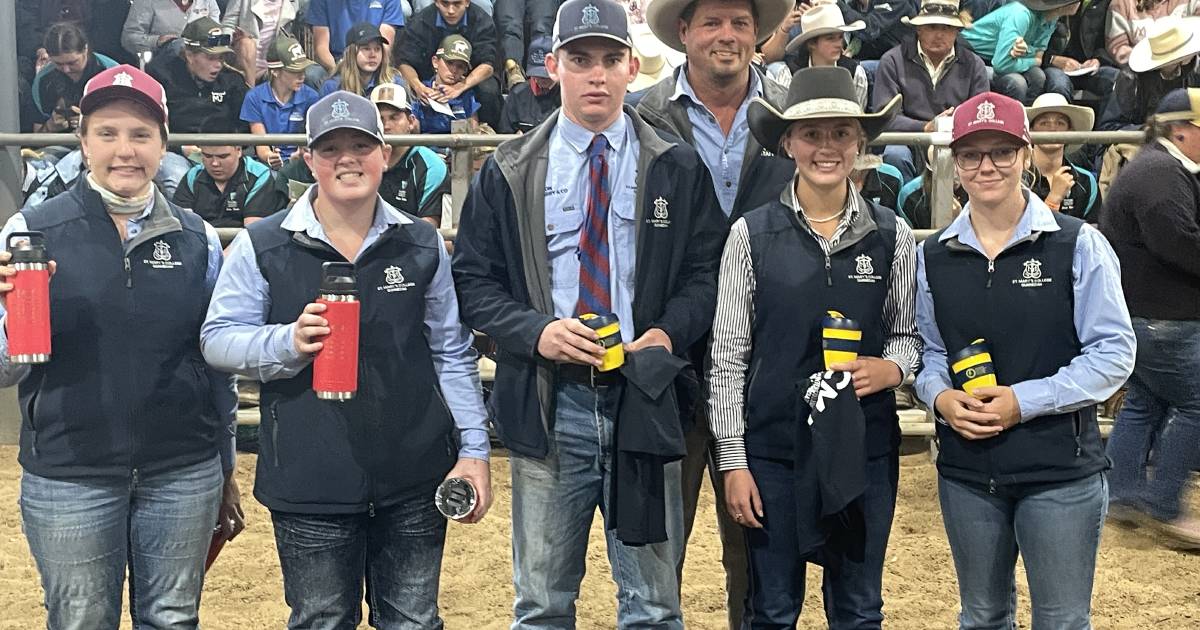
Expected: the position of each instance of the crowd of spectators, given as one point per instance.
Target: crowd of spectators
(256, 66)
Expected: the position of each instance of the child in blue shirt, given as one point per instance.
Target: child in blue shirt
(280, 104)
(451, 63)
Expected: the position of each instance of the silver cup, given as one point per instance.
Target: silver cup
(455, 498)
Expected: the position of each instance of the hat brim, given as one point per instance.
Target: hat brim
(1082, 118)
(799, 40)
(575, 38)
(1047, 5)
(216, 50)
(769, 124)
(537, 71)
(1142, 59)
(295, 66)
(107, 94)
(367, 40)
(313, 140)
(451, 58)
(931, 20)
(663, 18)
(643, 81)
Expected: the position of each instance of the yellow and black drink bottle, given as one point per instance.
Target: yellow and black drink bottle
(609, 329)
(972, 368)
(840, 338)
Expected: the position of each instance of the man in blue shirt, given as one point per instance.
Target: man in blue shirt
(350, 484)
(625, 223)
(330, 19)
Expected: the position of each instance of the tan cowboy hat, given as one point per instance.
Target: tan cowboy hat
(657, 62)
(945, 12)
(816, 93)
(663, 18)
(1082, 118)
(1168, 39)
(823, 19)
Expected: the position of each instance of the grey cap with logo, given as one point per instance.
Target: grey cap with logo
(578, 19)
(343, 110)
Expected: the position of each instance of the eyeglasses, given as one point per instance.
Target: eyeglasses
(971, 159)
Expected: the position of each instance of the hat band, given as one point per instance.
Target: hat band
(823, 106)
(1159, 52)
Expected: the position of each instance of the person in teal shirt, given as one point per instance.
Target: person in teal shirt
(1013, 39)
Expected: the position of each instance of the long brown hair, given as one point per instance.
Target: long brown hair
(351, 76)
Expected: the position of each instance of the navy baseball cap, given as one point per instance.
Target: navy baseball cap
(578, 19)
(364, 33)
(536, 64)
(343, 110)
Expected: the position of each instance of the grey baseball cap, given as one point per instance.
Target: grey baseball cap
(538, 49)
(343, 110)
(578, 19)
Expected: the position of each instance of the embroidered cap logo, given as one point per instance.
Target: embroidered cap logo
(123, 79)
(591, 16)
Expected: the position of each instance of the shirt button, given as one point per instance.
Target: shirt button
(729, 184)
(550, 227)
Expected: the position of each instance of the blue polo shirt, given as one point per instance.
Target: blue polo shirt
(340, 15)
(261, 106)
(432, 121)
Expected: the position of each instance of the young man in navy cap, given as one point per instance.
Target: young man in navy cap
(350, 485)
(631, 228)
(531, 102)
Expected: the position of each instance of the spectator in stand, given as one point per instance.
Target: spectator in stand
(330, 18)
(1013, 39)
(280, 104)
(916, 198)
(531, 102)
(255, 25)
(1061, 182)
(228, 189)
(934, 70)
(58, 87)
(1153, 221)
(152, 24)
(419, 44)
(451, 63)
(365, 63)
(1165, 60)
(878, 182)
(1130, 20)
(201, 88)
(822, 42)
(884, 26)
(415, 180)
(512, 16)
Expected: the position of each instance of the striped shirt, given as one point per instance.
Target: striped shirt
(733, 324)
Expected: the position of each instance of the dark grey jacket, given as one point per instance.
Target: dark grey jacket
(901, 71)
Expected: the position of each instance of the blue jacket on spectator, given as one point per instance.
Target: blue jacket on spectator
(993, 36)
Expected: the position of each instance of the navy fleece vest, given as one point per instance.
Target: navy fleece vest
(1024, 307)
(126, 386)
(794, 289)
(396, 436)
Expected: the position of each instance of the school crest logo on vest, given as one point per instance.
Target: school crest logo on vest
(1031, 275)
(864, 270)
(161, 258)
(393, 280)
(661, 218)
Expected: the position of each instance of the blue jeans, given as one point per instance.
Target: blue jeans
(853, 591)
(1164, 385)
(1056, 528)
(554, 502)
(397, 553)
(85, 533)
(1022, 86)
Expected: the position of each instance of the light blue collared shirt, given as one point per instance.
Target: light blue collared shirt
(722, 154)
(224, 386)
(1101, 322)
(236, 337)
(567, 186)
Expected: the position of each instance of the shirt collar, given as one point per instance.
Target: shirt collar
(302, 217)
(1187, 162)
(1037, 217)
(684, 88)
(580, 138)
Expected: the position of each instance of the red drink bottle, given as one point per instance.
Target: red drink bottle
(335, 370)
(29, 301)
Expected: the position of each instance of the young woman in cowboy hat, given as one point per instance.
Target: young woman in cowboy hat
(1021, 465)
(822, 42)
(1064, 186)
(819, 246)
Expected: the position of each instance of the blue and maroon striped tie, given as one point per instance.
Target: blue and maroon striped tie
(593, 239)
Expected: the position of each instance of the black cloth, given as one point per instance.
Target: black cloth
(253, 191)
(882, 187)
(1136, 96)
(1081, 35)
(798, 59)
(647, 436)
(52, 85)
(884, 28)
(1022, 304)
(126, 387)
(901, 71)
(396, 435)
(511, 19)
(191, 102)
(417, 183)
(1152, 219)
(524, 111)
(419, 40)
(1083, 201)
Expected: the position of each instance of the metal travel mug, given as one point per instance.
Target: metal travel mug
(29, 301)
(335, 370)
(840, 338)
(972, 368)
(455, 498)
(609, 329)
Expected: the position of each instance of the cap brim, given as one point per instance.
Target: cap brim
(217, 50)
(576, 38)
(928, 20)
(663, 18)
(368, 40)
(537, 71)
(100, 97)
(296, 66)
(769, 124)
(312, 140)
(797, 41)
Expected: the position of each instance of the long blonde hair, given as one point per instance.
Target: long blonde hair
(351, 77)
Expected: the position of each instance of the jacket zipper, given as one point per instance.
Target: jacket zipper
(128, 274)
(1078, 430)
(828, 272)
(991, 272)
(274, 434)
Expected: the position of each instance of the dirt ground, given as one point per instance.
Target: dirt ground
(1139, 584)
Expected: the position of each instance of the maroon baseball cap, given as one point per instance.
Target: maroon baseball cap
(990, 111)
(124, 81)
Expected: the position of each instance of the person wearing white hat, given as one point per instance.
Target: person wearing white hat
(655, 61)
(1165, 60)
(705, 102)
(415, 179)
(1065, 186)
(822, 42)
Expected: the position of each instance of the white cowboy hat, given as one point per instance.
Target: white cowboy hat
(1168, 39)
(823, 19)
(945, 12)
(656, 61)
(1082, 118)
(663, 18)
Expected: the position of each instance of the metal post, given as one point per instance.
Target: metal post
(460, 172)
(942, 198)
(10, 186)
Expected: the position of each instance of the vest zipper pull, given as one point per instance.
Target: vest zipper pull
(828, 273)
(991, 270)
(991, 486)
(128, 274)
(371, 509)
